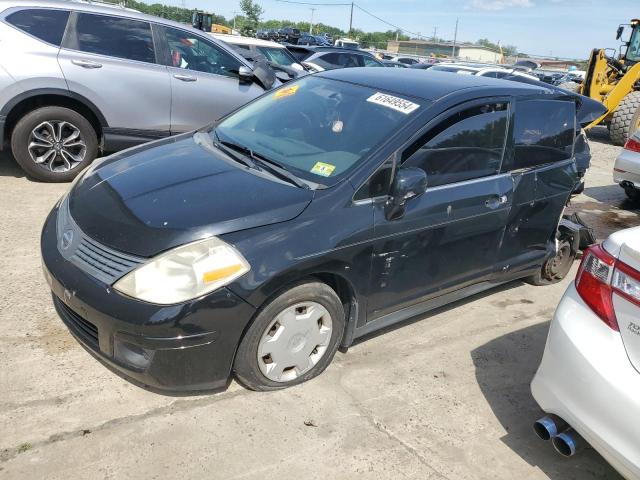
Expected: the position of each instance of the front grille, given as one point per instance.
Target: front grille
(99, 261)
(86, 330)
(109, 262)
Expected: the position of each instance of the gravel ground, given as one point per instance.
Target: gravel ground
(445, 396)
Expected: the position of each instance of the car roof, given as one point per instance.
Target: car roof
(427, 85)
(91, 7)
(240, 40)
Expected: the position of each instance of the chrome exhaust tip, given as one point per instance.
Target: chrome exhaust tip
(568, 443)
(549, 427)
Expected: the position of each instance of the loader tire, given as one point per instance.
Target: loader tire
(626, 119)
(571, 86)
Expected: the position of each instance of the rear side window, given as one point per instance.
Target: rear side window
(337, 60)
(115, 37)
(47, 25)
(467, 145)
(544, 131)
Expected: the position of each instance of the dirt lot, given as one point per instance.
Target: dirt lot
(446, 396)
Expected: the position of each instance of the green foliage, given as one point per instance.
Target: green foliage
(252, 12)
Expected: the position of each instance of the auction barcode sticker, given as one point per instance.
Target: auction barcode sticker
(397, 103)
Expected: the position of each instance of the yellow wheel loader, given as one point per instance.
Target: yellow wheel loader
(616, 83)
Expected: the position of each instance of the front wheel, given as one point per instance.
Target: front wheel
(53, 144)
(292, 339)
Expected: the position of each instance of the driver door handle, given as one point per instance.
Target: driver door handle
(185, 78)
(495, 201)
(86, 63)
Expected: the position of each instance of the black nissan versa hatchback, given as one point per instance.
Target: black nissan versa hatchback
(336, 205)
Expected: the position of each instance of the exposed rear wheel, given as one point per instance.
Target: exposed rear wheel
(632, 193)
(626, 119)
(53, 144)
(555, 268)
(292, 339)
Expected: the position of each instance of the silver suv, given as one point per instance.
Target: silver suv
(77, 78)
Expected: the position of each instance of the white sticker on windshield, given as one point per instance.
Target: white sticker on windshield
(397, 103)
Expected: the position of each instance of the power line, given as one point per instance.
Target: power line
(418, 35)
(388, 23)
(313, 3)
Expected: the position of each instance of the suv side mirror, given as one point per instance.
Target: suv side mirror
(410, 182)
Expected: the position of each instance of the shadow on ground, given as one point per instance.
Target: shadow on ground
(504, 369)
(8, 166)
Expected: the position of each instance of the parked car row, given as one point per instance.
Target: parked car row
(294, 36)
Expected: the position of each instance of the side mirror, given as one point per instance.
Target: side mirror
(619, 32)
(245, 74)
(265, 75)
(410, 182)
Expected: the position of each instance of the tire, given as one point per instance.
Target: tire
(251, 370)
(626, 119)
(570, 86)
(43, 126)
(555, 268)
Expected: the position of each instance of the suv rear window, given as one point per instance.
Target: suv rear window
(115, 37)
(47, 25)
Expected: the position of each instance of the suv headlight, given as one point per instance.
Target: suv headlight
(184, 273)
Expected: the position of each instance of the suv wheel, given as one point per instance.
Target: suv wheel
(53, 144)
(292, 339)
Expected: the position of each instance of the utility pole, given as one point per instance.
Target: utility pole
(350, 20)
(311, 22)
(455, 38)
(435, 33)
(235, 14)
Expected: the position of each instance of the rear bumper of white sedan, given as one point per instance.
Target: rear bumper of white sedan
(627, 168)
(586, 378)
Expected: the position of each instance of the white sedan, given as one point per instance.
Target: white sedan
(626, 170)
(589, 380)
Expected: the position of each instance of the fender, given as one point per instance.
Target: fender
(9, 106)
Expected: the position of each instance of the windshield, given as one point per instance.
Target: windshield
(277, 55)
(633, 52)
(319, 129)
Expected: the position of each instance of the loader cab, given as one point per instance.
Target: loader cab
(202, 21)
(632, 54)
(633, 47)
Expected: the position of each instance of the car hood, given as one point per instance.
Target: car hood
(158, 196)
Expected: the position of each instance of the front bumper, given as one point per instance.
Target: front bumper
(170, 349)
(586, 378)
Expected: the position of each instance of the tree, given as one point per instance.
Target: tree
(252, 12)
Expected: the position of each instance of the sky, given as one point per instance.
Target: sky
(562, 28)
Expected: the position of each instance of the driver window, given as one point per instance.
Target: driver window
(467, 145)
(190, 52)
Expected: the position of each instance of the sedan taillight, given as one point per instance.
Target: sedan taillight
(633, 145)
(599, 276)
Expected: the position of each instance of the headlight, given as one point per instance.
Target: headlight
(185, 272)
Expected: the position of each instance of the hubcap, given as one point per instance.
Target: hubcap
(295, 341)
(57, 145)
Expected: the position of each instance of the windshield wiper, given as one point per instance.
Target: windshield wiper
(278, 169)
(228, 147)
(266, 163)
